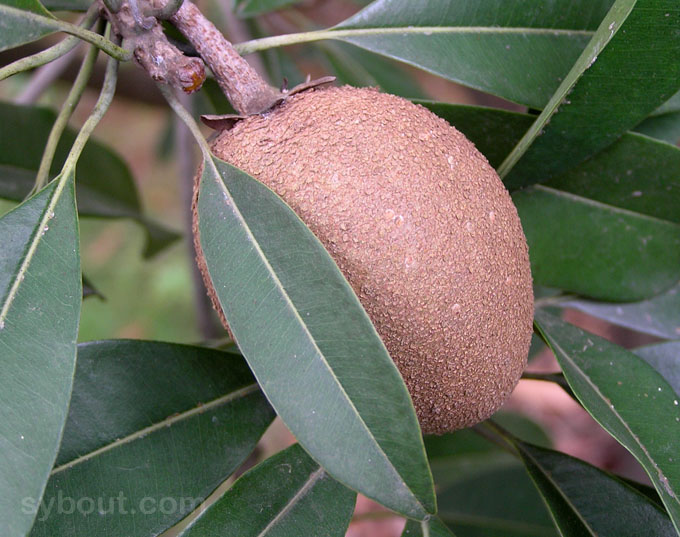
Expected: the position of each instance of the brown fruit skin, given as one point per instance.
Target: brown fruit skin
(422, 228)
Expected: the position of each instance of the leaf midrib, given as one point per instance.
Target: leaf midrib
(303, 324)
(613, 410)
(35, 241)
(171, 420)
(559, 490)
(601, 205)
(264, 43)
(309, 483)
(452, 517)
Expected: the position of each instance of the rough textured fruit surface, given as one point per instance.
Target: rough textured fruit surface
(422, 228)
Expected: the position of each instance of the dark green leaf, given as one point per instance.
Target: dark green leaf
(665, 358)
(152, 429)
(482, 490)
(671, 105)
(105, 187)
(288, 495)
(625, 395)
(636, 173)
(360, 68)
(464, 442)
(250, 8)
(497, 498)
(319, 360)
(573, 242)
(610, 89)
(584, 500)
(517, 49)
(657, 316)
(34, 6)
(436, 528)
(23, 21)
(67, 5)
(665, 127)
(40, 299)
(494, 132)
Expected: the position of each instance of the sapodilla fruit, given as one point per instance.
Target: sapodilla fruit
(420, 225)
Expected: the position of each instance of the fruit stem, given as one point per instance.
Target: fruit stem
(247, 91)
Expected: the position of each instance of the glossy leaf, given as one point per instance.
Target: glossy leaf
(436, 528)
(671, 105)
(585, 500)
(665, 358)
(34, 6)
(664, 122)
(665, 127)
(67, 5)
(497, 499)
(250, 8)
(636, 173)
(482, 490)
(152, 429)
(627, 397)
(22, 140)
(631, 66)
(23, 22)
(517, 49)
(657, 316)
(493, 131)
(360, 68)
(40, 299)
(573, 240)
(288, 495)
(319, 360)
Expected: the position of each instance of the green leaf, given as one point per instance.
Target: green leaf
(34, 6)
(22, 140)
(585, 500)
(636, 173)
(665, 127)
(152, 429)
(497, 499)
(671, 105)
(517, 49)
(573, 240)
(453, 445)
(665, 358)
(18, 26)
(250, 8)
(288, 495)
(23, 22)
(319, 360)
(483, 490)
(657, 316)
(67, 5)
(435, 526)
(40, 299)
(360, 68)
(627, 397)
(630, 67)
(494, 132)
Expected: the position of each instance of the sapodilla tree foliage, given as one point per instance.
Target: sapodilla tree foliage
(128, 437)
